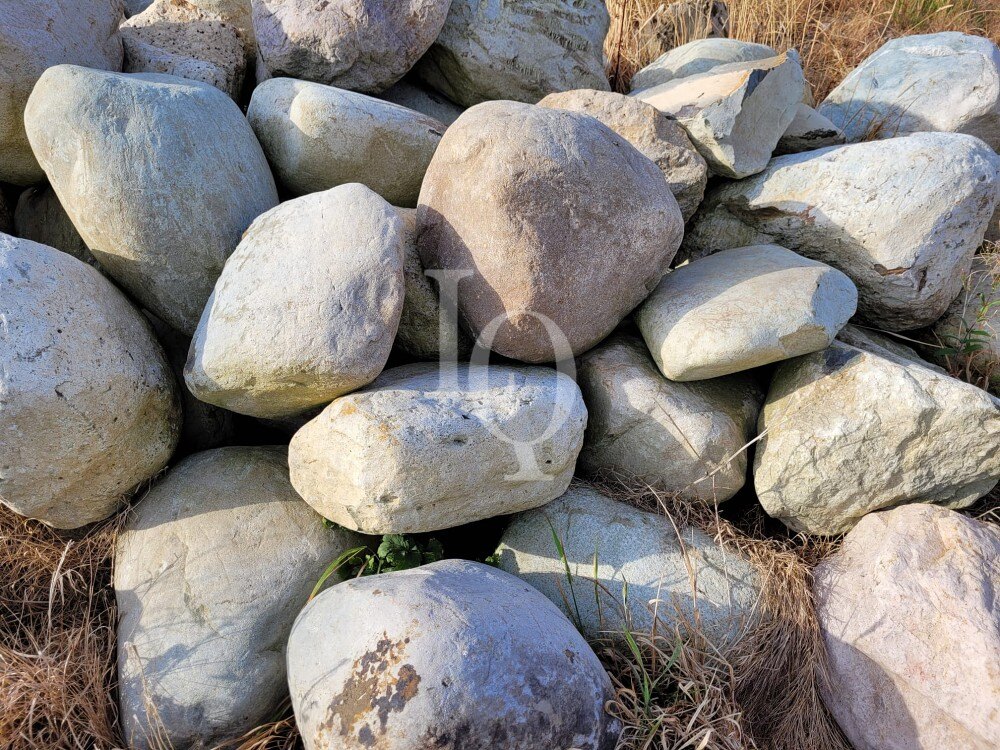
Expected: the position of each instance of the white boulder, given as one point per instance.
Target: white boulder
(698, 56)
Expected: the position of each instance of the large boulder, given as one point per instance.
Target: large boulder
(902, 218)
(35, 36)
(410, 93)
(519, 51)
(909, 615)
(317, 137)
(429, 447)
(699, 56)
(173, 190)
(550, 218)
(453, 654)
(210, 572)
(40, 217)
(88, 405)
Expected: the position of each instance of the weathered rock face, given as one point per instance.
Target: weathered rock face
(166, 202)
(362, 45)
(427, 447)
(808, 131)
(306, 309)
(518, 51)
(559, 219)
(743, 308)
(432, 641)
(677, 577)
(656, 136)
(699, 56)
(88, 406)
(317, 137)
(37, 35)
(902, 218)
(411, 94)
(912, 628)
(40, 217)
(852, 430)
(948, 82)
(210, 573)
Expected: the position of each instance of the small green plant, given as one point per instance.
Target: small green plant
(395, 552)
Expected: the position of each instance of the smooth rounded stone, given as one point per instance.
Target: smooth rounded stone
(34, 36)
(306, 309)
(428, 447)
(655, 135)
(362, 45)
(558, 225)
(858, 427)
(317, 137)
(684, 437)
(410, 94)
(808, 131)
(743, 308)
(909, 615)
(40, 217)
(519, 51)
(456, 654)
(210, 572)
(947, 82)
(171, 194)
(699, 56)
(88, 406)
(902, 218)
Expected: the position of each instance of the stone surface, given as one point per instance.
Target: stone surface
(901, 217)
(808, 131)
(947, 82)
(427, 447)
(519, 51)
(655, 135)
(911, 622)
(410, 93)
(559, 219)
(210, 572)
(362, 45)
(684, 437)
(465, 656)
(317, 137)
(88, 406)
(699, 56)
(851, 430)
(306, 309)
(40, 217)
(743, 308)
(34, 36)
(172, 192)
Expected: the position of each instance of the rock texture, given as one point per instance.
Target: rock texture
(808, 131)
(410, 93)
(40, 217)
(699, 56)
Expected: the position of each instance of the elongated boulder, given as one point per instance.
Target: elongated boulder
(210, 572)
(317, 137)
(427, 447)
(410, 93)
(88, 405)
(699, 56)
(458, 654)
(518, 51)
(910, 619)
(902, 218)
(551, 218)
(808, 131)
(40, 217)
(35, 36)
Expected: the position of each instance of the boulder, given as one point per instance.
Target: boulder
(172, 192)
(699, 56)
(210, 572)
(947, 82)
(909, 615)
(40, 217)
(808, 131)
(428, 447)
(902, 218)
(655, 135)
(306, 309)
(409, 93)
(743, 308)
(88, 405)
(686, 438)
(518, 51)
(239, 15)
(564, 226)
(362, 45)
(453, 654)
(317, 137)
(35, 36)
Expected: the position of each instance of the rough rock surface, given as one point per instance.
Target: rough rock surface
(902, 218)
(699, 56)
(210, 572)
(560, 220)
(909, 613)
(808, 131)
(88, 406)
(40, 217)
(171, 194)
(465, 656)
(410, 93)
(317, 137)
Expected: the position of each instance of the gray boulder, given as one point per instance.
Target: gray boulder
(40, 217)
(808, 131)
(410, 93)
(699, 56)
